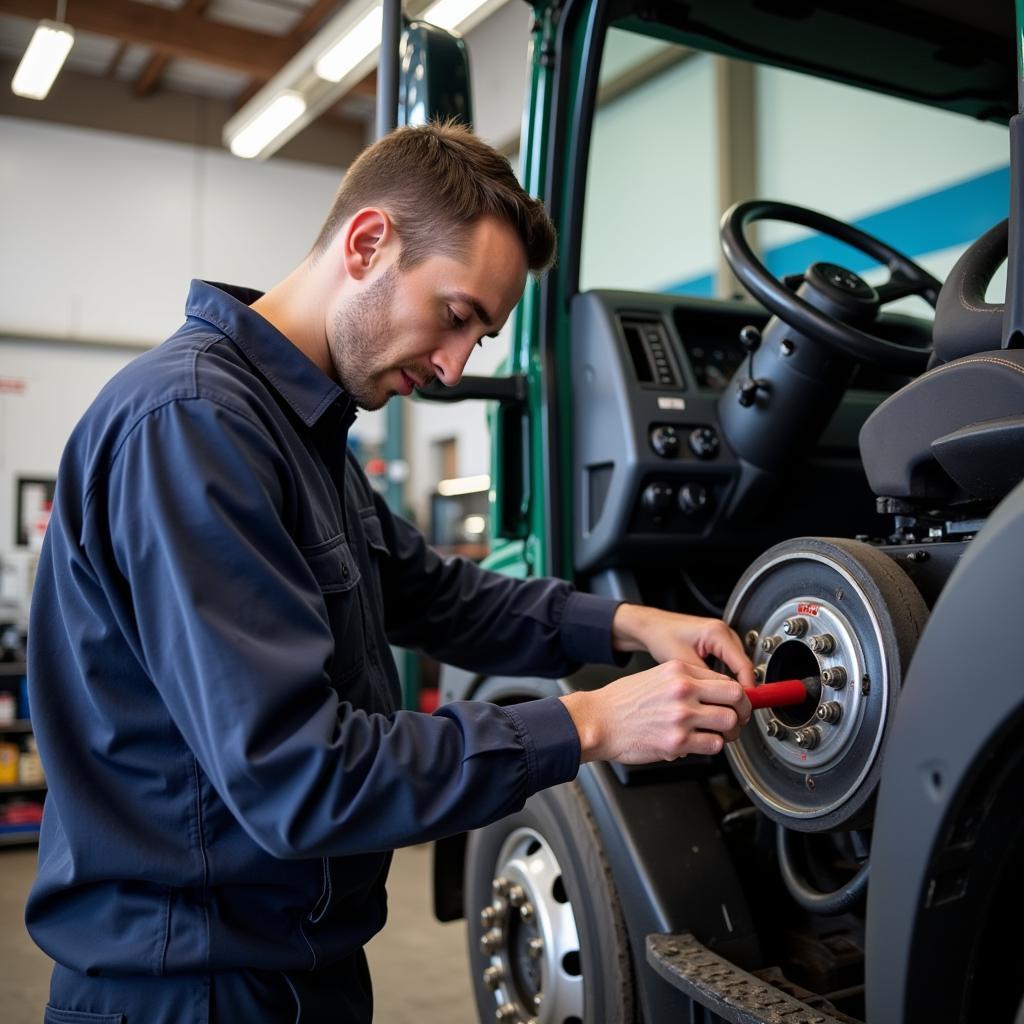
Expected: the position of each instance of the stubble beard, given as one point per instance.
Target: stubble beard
(359, 335)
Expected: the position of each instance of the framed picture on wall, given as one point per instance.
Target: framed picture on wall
(33, 497)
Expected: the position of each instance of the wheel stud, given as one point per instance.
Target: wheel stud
(500, 886)
(808, 738)
(527, 913)
(824, 643)
(535, 947)
(490, 941)
(835, 678)
(537, 1000)
(831, 711)
(516, 896)
(493, 977)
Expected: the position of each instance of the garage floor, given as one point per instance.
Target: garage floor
(418, 965)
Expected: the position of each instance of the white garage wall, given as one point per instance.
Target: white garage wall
(102, 233)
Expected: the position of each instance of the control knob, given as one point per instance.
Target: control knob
(693, 499)
(657, 498)
(665, 442)
(704, 442)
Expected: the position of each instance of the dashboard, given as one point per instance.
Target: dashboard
(653, 473)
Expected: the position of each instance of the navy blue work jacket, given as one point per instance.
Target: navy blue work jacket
(210, 677)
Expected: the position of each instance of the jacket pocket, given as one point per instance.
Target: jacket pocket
(333, 565)
(373, 530)
(52, 1015)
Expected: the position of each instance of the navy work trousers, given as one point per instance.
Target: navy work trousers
(339, 994)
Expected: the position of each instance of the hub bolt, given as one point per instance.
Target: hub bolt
(490, 941)
(527, 913)
(823, 644)
(796, 626)
(506, 1012)
(777, 729)
(834, 677)
(500, 887)
(769, 643)
(493, 977)
(516, 896)
(831, 711)
(535, 947)
(808, 738)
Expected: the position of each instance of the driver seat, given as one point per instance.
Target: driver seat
(956, 433)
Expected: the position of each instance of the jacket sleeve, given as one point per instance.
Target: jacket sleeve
(230, 625)
(484, 621)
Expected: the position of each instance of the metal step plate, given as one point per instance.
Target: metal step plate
(734, 995)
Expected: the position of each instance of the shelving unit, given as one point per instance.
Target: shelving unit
(11, 673)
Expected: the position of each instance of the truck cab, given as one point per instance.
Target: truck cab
(773, 376)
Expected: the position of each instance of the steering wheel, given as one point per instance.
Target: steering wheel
(835, 288)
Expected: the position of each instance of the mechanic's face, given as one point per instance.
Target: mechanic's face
(403, 328)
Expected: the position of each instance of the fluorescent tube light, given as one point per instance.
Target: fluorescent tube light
(463, 485)
(458, 15)
(354, 46)
(43, 60)
(270, 122)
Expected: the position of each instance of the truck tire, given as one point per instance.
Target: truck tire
(547, 941)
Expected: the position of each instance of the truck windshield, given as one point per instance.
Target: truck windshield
(663, 166)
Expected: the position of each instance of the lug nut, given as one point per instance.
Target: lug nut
(831, 711)
(759, 672)
(488, 917)
(500, 886)
(796, 626)
(493, 977)
(506, 1012)
(490, 941)
(808, 738)
(834, 677)
(776, 729)
(751, 638)
(537, 999)
(527, 913)
(769, 643)
(823, 644)
(535, 947)
(516, 896)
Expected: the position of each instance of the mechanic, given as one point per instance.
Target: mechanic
(211, 683)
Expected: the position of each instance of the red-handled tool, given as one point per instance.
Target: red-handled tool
(780, 694)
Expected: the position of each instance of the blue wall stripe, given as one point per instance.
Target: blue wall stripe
(950, 216)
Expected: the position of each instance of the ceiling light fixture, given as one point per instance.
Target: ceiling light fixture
(268, 123)
(352, 48)
(341, 54)
(45, 56)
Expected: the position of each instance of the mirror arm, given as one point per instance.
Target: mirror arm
(507, 390)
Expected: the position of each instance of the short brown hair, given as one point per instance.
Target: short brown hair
(435, 181)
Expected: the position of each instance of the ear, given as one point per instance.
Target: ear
(365, 238)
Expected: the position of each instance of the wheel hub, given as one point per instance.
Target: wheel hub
(530, 940)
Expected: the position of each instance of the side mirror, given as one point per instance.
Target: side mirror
(433, 78)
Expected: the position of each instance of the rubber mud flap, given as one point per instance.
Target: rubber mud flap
(736, 996)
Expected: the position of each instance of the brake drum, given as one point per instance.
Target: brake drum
(847, 617)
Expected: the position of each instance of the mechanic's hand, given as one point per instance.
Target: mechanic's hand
(667, 712)
(688, 638)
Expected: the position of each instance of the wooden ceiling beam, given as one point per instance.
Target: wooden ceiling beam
(173, 33)
(150, 75)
